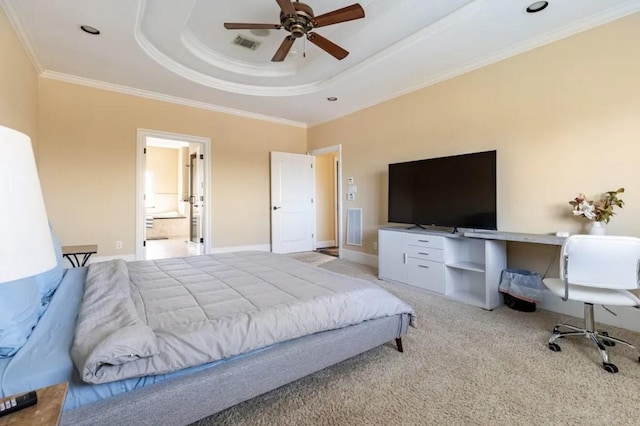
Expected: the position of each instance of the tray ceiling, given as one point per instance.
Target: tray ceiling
(179, 51)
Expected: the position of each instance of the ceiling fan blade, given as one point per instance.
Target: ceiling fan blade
(349, 13)
(287, 7)
(283, 49)
(245, 26)
(328, 46)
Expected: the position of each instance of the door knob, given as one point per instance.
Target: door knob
(276, 207)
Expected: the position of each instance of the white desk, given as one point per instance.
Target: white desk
(516, 236)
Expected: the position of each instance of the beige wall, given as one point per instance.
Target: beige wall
(87, 155)
(163, 162)
(564, 119)
(325, 198)
(18, 84)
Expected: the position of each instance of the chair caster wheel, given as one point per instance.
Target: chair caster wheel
(610, 368)
(606, 342)
(556, 348)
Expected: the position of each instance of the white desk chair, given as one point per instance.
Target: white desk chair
(599, 270)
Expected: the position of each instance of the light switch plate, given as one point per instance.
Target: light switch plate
(350, 180)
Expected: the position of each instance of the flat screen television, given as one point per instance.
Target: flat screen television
(456, 192)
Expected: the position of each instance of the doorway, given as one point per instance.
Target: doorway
(306, 206)
(173, 183)
(328, 205)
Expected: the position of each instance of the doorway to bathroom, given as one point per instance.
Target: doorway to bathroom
(172, 195)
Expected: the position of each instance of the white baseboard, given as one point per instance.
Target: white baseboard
(627, 318)
(359, 257)
(96, 259)
(259, 247)
(132, 257)
(325, 244)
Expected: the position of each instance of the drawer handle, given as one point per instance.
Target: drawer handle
(425, 254)
(423, 241)
(423, 266)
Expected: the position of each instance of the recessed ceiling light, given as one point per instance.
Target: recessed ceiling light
(89, 29)
(332, 99)
(538, 6)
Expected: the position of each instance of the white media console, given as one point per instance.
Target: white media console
(462, 268)
(467, 266)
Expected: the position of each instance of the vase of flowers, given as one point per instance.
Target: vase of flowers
(598, 209)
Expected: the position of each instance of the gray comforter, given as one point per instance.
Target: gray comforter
(153, 317)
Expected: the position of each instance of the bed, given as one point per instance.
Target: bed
(180, 393)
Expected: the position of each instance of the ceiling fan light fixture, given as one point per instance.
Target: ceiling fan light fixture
(297, 30)
(537, 6)
(90, 30)
(299, 20)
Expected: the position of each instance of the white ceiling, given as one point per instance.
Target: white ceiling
(179, 51)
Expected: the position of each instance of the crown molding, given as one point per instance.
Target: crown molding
(625, 9)
(53, 75)
(23, 35)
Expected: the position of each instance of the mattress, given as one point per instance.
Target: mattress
(154, 317)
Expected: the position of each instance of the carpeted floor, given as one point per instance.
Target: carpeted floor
(462, 365)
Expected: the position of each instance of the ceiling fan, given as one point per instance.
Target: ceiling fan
(298, 19)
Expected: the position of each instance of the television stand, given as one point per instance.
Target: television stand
(450, 264)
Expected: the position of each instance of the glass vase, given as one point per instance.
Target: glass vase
(597, 228)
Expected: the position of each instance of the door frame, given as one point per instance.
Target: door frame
(141, 144)
(327, 150)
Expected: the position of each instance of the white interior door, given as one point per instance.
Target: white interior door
(292, 202)
(196, 200)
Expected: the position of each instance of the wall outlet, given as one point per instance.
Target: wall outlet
(118, 245)
(350, 180)
(375, 245)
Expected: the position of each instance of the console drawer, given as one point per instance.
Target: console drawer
(427, 275)
(425, 240)
(426, 253)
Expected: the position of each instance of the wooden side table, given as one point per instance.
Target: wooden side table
(45, 413)
(72, 253)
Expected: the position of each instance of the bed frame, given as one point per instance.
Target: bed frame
(195, 396)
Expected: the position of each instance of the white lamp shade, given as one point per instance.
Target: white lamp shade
(26, 247)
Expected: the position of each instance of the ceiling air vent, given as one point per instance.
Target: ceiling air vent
(245, 42)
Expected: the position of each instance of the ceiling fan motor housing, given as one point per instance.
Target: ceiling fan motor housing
(300, 23)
